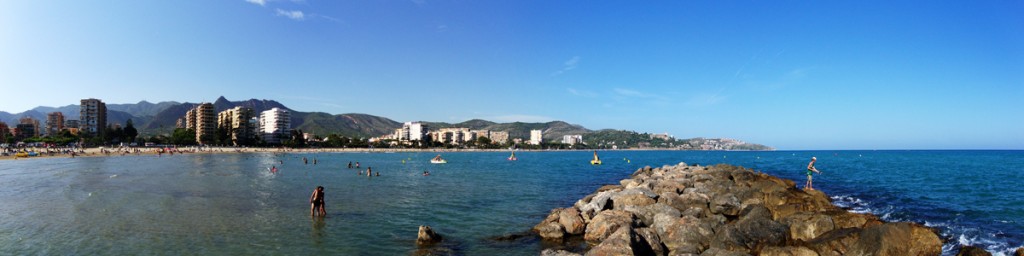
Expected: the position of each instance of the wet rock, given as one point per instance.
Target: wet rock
(553, 252)
(1019, 252)
(624, 241)
(787, 251)
(571, 221)
(972, 251)
(427, 236)
(897, 239)
(550, 230)
(550, 227)
(607, 222)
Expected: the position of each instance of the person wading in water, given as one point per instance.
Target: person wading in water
(317, 202)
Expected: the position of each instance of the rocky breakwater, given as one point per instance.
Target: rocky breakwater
(724, 210)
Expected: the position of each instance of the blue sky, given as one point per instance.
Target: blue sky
(790, 74)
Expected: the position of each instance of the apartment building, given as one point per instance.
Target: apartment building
(54, 123)
(275, 124)
(93, 117)
(237, 121)
(536, 137)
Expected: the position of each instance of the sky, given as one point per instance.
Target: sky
(788, 74)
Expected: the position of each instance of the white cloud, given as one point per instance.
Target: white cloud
(629, 93)
(626, 95)
(522, 118)
(258, 2)
(568, 65)
(295, 15)
(583, 93)
(706, 99)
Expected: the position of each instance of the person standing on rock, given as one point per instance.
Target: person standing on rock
(811, 170)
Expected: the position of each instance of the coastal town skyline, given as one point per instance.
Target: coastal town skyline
(822, 76)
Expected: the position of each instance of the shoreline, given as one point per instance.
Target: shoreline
(105, 152)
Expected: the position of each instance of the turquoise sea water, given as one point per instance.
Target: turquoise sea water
(233, 204)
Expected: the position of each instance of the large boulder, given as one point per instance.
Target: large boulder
(624, 241)
(972, 251)
(571, 221)
(620, 202)
(808, 225)
(550, 227)
(722, 252)
(754, 231)
(845, 219)
(607, 222)
(427, 236)
(596, 204)
(685, 234)
(653, 240)
(726, 204)
(901, 238)
(646, 213)
(1019, 252)
(787, 251)
(834, 243)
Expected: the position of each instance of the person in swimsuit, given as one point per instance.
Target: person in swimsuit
(811, 170)
(316, 201)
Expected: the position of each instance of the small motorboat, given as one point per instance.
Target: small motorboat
(438, 160)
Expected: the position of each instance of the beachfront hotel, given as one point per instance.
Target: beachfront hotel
(202, 120)
(275, 124)
(237, 122)
(93, 117)
(536, 137)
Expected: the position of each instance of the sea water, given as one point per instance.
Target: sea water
(235, 204)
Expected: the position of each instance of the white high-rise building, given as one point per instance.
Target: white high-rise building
(414, 131)
(536, 137)
(572, 139)
(275, 124)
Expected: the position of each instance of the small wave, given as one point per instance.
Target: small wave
(993, 246)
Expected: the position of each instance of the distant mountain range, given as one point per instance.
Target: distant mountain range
(161, 118)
